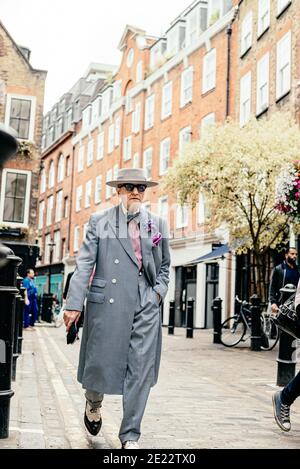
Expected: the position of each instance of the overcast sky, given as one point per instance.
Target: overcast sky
(66, 35)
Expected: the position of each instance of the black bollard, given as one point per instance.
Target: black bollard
(47, 304)
(256, 310)
(217, 319)
(8, 292)
(286, 365)
(190, 318)
(171, 318)
(21, 317)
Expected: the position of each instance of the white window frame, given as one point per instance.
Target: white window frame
(61, 168)
(148, 161)
(281, 4)
(262, 73)
(58, 205)
(88, 194)
(245, 98)
(47, 249)
(11, 96)
(111, 138)
(149, 111)
(166, 102)
(117, 90)
(41, 214)
(80, 162)
(24, 224)
(78, 199)
(76, 240)
(263, 16)
(192, 30)
(284, 62)
(164, 155)
(98, 189)
(51, 176)
(136, 118)
(90, 152)
(117, 131)
(108, 189)
(187, 79)
(246, 32)
(182, 138)
(115, 175)
(127, 148)
(43, 181)
(209, 71)
(100, 146)
(49, 214)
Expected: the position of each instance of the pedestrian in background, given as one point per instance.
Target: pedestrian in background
(31, 306)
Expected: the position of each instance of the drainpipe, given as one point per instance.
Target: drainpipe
(229, 33)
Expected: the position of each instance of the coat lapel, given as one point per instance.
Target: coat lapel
(118, 224)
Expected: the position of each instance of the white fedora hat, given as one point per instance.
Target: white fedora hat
(131, 176)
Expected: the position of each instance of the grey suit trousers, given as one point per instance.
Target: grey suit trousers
(141, 362)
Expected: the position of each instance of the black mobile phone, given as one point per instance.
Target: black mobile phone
(72, 334)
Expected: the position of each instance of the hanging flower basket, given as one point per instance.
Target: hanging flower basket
(26, 148)
(288, 191)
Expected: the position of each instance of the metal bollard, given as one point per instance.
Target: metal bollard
(171, 318)
(256, 310)
(286, 365)
(190, 318)
(217, 319)
(8, 292)
(21, 317)
(47, 303)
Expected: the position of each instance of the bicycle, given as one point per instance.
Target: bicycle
(237, 328)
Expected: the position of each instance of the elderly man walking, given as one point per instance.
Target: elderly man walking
(121, 341)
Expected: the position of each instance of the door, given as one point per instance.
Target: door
(212, 291)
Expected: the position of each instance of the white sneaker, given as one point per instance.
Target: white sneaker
(130, 445)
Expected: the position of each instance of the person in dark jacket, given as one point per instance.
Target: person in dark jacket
(284, 273)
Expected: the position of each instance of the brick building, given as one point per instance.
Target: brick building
(21, 107)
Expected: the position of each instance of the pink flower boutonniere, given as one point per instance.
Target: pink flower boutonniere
(157, 236)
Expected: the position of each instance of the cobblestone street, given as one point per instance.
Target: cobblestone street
(207, 397)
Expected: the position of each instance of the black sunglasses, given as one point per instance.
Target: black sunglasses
(130, 187)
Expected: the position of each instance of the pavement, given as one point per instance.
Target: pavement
(207, 396)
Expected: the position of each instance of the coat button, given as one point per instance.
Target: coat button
(117, 261)
(114, 280)
(111, 300)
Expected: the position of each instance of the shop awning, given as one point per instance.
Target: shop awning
(216, 253)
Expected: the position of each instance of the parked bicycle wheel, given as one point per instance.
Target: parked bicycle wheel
(270, 332)
(233, 330)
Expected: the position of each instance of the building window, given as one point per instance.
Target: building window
(100, 149)
(207, 120)
(163, 208)
(85, 228)
(185, 136)
(90, 152)
(61, 168)
(78, 198)
(86, 116)
(41, 214)
(20, 115)
(136, 160)
(69, 118)
(98, 189)
(108, 189)
(245, 98)
(181, 215)
(115, 175)
(139, 71)
(117, 131)
(66, 207)
(262, 88)
(165, 149)
(49, 210)
(166, 105)
(68, 166)
(263, 16)
(76, 238)
(281, 4)
(127, 148)
(59, 127)
(51, 176)
(58, 210)
(111, 138)
(56, 247)
(80, 158)
(246, 36)
(283, 66)
(148, 162)
(149, 112)
(43, 181)
(88, 194)
(106, 100)
(47, 249)
(186, 94)
(95, 109)
(192, 27)
(117, 90)
(209, 71)
(136, 118)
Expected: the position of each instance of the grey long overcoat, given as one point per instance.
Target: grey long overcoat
(112, 297)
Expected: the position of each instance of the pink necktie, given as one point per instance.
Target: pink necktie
(134, 233)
